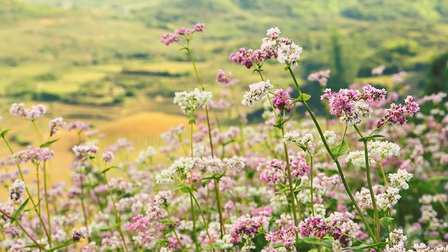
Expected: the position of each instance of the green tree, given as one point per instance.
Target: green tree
(343, 57)
(437, 75)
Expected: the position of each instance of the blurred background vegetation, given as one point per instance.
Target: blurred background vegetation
(107, 52)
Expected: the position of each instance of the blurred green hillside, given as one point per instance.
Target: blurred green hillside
(104, 52)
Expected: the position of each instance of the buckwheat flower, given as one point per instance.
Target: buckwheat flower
(285, 236)
(79, 126)
(378, 70)
(411, 107)
(399, 77)
(108, 156)
(144, 155)
(17, 109)
(257, 92)
(248, 57)
(321, 77)
(199, 27)
(357, 158)
(400, 179)
(162, 198)
(299, 167)
(388, 199)
(223, 77)
(289, 53)
(169, 38)
(82, 232)
(272, 171)
(56, 124)
(247, 227)
(291, 137)
(224, 243)
(36, 111)
(384, 149)
(396, 113)
(373, 95)
(190, 101)
(273, 32)
(329, 136)
(363, 198)
(281, 99)
(16, 190)
(397, 238)
(85, 151)
(315, 226)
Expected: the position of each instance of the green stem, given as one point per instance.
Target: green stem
(86, 222)
(47, 204)
(311, 183)
(203, 217)
(174, 229)
(218, 199)
(291, 189)
(336, 161)
(194, 235)
(369, 183)
(117, 216)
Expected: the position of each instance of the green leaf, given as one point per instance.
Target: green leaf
(384, 222)
(48, 143)
(34, 207)
(184, 188)
(304, 97)
(109, 168)
(367, 138)
(326, 241)
(19, 211)
(339, 150)
(300, 188)
(63, 245)
(363, 247)
(3, 134)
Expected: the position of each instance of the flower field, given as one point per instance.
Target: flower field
(367, 174)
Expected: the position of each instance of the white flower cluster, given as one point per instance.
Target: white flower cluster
(256, 93)
(400, 179)
(145, 155)
(190, 101)
(178, 170)
(388, 199)
(357, 158)
(397, 240)
(289, 53)
(83, 232)
(306, 141)
(330, 136)
(384, 149)
(16, 190)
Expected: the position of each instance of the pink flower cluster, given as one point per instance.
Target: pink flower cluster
(85, 151)
(36, 111)
(79, 126)
(33, 154)
(281, 99)
(169, 38)
(247, 227)
(285, 235)
(396, 113)
(223, 77)
(283, 49)
(321, 77)
(349, 104)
